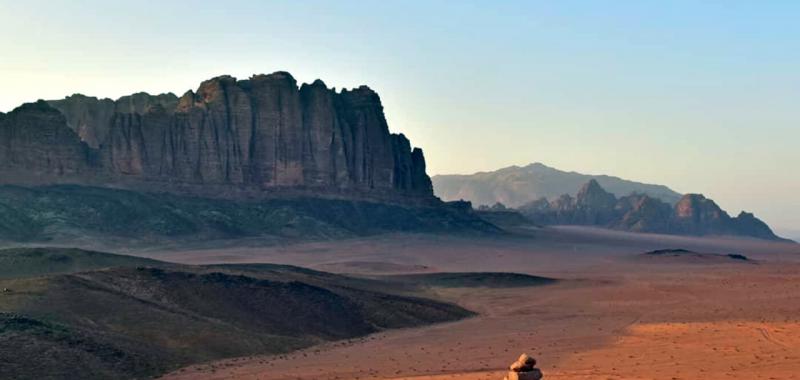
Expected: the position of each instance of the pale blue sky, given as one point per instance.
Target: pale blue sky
(702, 96)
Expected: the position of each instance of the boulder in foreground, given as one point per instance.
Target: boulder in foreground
(524, 369)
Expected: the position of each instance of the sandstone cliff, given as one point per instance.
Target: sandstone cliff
(34, 141)
(230, 138)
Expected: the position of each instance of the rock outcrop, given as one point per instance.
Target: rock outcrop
(35, 142)
(641, 213)
(230, 138)
(524, 369)
(693, 214)
(698, 215)
(91, 118)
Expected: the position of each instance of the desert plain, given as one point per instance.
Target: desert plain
(614, 313)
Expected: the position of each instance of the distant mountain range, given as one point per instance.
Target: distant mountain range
(514, 186)
(693, 214)
(549, 196)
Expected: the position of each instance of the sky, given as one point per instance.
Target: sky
(701, 96)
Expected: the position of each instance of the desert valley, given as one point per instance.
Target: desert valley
(335, 260)
(474, 190)
(614, 313)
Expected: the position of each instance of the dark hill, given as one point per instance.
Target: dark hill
(143, 321)
(29, 262)
(687, 256)
(473, 279)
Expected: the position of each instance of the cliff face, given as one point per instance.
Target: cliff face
(90, 117)
(258, 136)
(693, 214)
(34, 141)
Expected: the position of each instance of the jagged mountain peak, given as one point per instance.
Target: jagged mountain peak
(591, 187)
(592, 194)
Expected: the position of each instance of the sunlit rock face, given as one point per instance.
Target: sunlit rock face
(231, 138)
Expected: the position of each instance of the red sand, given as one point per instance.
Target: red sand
(617, 318)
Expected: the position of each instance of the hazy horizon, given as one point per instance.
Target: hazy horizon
(697, 97)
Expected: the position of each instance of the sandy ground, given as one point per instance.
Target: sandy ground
(614, 317)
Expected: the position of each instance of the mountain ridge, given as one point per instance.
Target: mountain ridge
(693, 214)
(516, 185)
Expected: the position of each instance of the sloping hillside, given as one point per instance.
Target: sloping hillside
(30, 262)
(67, 213)
(134, 322)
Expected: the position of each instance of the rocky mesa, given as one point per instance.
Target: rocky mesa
(263, 136)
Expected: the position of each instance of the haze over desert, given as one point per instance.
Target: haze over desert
(613, 315)
(399, 190)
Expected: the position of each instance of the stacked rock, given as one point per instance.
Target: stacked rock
(524, 369)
